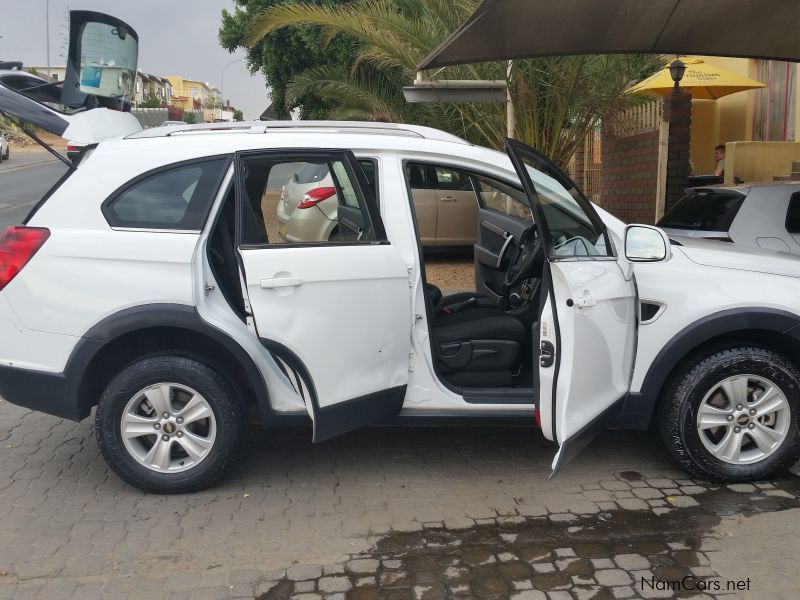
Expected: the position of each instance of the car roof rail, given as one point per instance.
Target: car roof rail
(399, 129)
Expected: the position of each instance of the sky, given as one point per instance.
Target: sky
(175, 38)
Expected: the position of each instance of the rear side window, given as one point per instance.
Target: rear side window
(177, 198)
(793, 214)
(704, 211)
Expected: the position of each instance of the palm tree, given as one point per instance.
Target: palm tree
(557, 99)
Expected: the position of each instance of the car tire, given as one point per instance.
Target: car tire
(194, 440)
(716, 408)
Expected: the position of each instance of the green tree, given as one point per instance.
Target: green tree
(152, 101)
(557, 100)
(238, 115)
(282, 54)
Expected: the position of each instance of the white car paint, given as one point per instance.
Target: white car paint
(87, 271)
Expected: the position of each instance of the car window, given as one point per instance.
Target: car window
(451, 179)
(370, 168)
(704, 210)
(418, 176)
(177, 198)
(502, 198)
(793, 214)
(301, 202)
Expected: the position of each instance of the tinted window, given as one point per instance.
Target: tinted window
(704, 211)
(302, 202)
(370, 168)
(504, 199)
(179, 198)
(418, 176)
(452, 179)
(793, 215)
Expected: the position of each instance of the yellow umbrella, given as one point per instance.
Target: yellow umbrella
(702, 80)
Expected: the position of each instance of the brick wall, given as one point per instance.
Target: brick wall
(628, 176)
(678, 112)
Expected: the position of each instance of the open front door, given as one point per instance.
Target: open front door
(330, 301)
(589, 318)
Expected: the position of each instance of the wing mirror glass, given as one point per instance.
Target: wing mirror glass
(644, 243)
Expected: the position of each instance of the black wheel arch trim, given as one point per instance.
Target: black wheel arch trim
(60, 394)
(639, 406)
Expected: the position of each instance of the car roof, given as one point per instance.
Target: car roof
(349, 127)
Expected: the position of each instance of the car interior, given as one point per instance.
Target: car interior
(484, 339)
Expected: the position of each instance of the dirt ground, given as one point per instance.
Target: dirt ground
(19, 142)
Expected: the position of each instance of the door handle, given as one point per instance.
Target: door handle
(448, 199)
(277, 282)
(585, 301)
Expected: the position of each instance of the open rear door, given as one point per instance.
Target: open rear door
(589, 319)
(89, 105)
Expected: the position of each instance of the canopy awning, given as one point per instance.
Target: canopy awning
(509, 29)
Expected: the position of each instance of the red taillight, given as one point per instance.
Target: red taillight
(73, 148)
(315, 196)
(17, 247)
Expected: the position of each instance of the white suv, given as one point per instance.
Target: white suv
(149, 284)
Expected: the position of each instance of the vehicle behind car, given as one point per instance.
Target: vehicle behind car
(5, 151)
(761, 215)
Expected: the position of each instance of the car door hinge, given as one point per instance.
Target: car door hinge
(209, 288)
(410, 271)
(411, 361)
(418, 317)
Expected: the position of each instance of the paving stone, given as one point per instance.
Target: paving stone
(602, 563)
(363, 565)
(693, 489)
(683, 501)
(741, 487)
(779, 494)
(392, 564)
(661, 483)
(528, 595)
(647, 493)
(303, 572)
(524, 584)
(334, 583)
(544, 567)
(631, 562)
(624, 591)
(562, 517)
(612, 577)
(565, 552)
(633, 504)
(304, 586)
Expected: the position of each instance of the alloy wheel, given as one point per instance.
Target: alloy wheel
(168, 428)
(743, 419)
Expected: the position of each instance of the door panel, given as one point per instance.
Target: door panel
(456, 217)
(425, 210)
(344, 311)
(590, 319)
(337, 312)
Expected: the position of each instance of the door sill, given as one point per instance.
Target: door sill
(499, 396)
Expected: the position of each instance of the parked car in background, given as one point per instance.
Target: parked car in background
(764, 215)
(74, 150)
(5, 151)
(444, 203)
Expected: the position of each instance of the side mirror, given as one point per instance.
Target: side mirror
(644, 243)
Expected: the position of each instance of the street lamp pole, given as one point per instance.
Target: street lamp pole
(47, 34)
(222, 76)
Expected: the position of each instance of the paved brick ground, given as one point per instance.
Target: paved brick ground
(385, 513)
